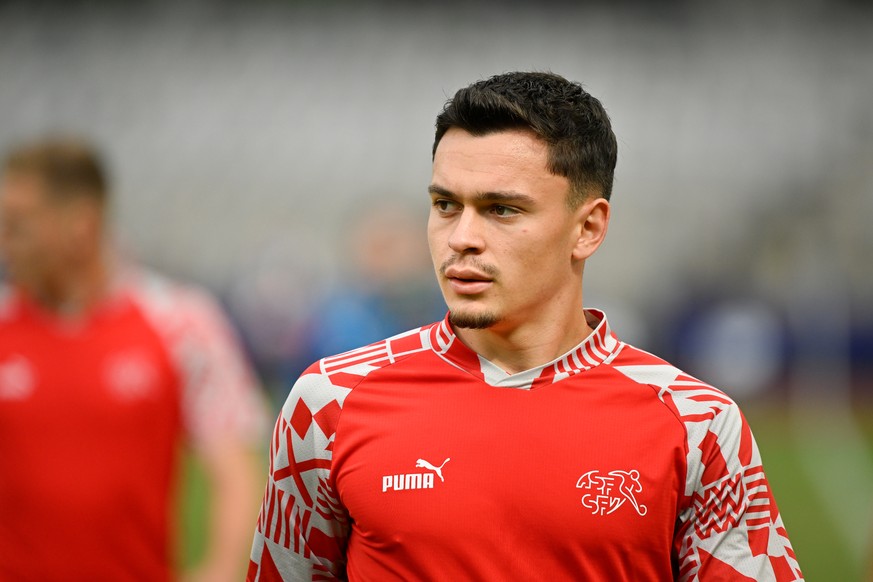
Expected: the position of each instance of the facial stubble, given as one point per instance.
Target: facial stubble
(468, 320)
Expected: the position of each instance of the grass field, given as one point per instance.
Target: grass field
(821, 479)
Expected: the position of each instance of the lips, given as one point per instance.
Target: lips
(467, 281)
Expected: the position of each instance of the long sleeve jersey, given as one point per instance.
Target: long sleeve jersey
(417, 459)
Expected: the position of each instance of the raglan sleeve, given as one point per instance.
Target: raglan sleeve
(222, 399)
(302, 528)
(731, 528)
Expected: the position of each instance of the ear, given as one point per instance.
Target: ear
(593, 222)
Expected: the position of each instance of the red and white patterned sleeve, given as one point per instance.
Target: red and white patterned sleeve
(731, 528)
(302, 528)
(221, 397)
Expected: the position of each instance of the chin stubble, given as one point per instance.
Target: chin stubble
(472, 320)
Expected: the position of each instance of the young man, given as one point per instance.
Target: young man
(104, 372)
(518, 439)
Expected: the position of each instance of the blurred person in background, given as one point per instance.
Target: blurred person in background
(518, 438)
(105, 371)
(386, 287)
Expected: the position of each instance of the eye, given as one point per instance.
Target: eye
(444, 206)
(503, 211)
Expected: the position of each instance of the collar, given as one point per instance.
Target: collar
(599, 347)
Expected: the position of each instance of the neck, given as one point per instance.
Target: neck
(75, 291)
(532, 344)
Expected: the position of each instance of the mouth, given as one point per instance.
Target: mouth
(466, 282)
(468, 286)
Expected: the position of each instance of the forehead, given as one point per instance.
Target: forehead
(508, 160)
(19, 188)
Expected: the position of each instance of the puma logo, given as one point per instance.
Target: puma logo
(421, 463)
(411, 481)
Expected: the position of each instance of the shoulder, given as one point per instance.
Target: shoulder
(718, 439)
(319, 394)
(174, 308)
(187, 319)
(690, 399)
(348, 369)
(161, 296)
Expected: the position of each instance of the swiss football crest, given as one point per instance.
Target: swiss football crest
(131, 375)
(17, 378)
(605, 493)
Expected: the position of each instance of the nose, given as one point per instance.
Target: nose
(467, 236)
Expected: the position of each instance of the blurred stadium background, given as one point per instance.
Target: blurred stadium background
(278, 153)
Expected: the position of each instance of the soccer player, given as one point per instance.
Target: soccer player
(105, 370)
(519, 438)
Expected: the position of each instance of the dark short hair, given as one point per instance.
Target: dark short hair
(69, 167)
(573, 124)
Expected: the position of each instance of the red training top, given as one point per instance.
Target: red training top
(417, 459)
(92, 413)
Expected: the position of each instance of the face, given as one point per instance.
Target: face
(37, 235)
(506, 246)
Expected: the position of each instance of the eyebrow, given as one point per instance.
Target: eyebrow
(499, 196)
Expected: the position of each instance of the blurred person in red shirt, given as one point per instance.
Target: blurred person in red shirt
(105, 371)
